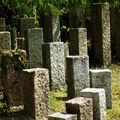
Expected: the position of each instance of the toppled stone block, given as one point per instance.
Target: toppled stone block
(62, 116)
(81, 106)
(99, 101)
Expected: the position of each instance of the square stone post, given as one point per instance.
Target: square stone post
(51, 28)
(36, 93)
(53, 60)
(78, 41)
(33, 45)
(102, 79)
(26, 23)
(5, 40)
(81, 106)
(101, 33)
(77, 74)
(21, 43)
(99, 101)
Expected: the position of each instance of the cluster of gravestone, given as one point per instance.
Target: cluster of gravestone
(53, 64)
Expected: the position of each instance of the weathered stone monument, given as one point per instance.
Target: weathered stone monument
(99, 101)
(5, 40)
(77, 74)
(11, 75)
(78, 41)
(101, 33)
(26, 23)
(53, 60)
(102, 79)
(2, 24)
(51, 28)
(81, 106)
(20, 43)
(36, 93)
(33, 44)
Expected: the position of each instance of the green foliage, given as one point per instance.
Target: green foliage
(14, 55)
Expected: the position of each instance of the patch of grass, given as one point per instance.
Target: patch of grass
(57, 102)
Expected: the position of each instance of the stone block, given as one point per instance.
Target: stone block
(33, 45)
(51, 28)
(77, 74)
(26, 23)
(5, 40)
(53, 60)
(81, 106)
(78, 41)
(21, 43)
(62, 116)
(99, 101)
(101, 33)
(11, 76)
(102, 79)
(36, 93)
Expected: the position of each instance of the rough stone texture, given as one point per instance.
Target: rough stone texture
(51, 28)
(5, 40)
(26, 23)
(62, 116)
(36, 90)
(99, 101)
(21, 43)
(12, 81)
(101, 33)
(1, 95)
(53, 59)
(2, 24)
(102, 79)
(77, 74)
(81, 106)
(78, 41)
(33, 44)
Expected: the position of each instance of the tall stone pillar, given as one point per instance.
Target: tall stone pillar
(101, 33)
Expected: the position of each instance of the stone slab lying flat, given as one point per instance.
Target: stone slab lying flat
(62, 116)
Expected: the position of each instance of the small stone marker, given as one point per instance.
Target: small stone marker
(5, 40)
(78, 41)
(102, 79)
(62, 116)
(21, 43)
(81, 106)
(77, 74)
(99, 101)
